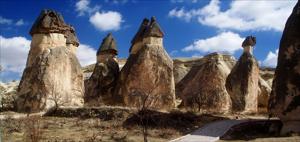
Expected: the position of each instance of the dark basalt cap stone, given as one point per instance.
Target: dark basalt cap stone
(249, 41)
(71, 36)
(49, 21)
(154, 29)
(147, 29)
(108, 45)
(140, 33)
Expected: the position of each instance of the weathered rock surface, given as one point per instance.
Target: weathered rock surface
(100, 86)
(53, 75)
(242, 82)
(8, 95)
(267, 74)
(204, 86)
(264, 94)
(285, 96)
(147, 77)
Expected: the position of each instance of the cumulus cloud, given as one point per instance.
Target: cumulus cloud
(106, 21)
(14, 53)
(20, 22)
(83, 7)
(5, 20)
(86, 54)
(271, 59)
(226, 42)
(241, 15)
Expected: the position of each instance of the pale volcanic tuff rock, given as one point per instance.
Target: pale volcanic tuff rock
(8, 95)
(285, 96)
(100, 86)
(242, 82)
(204, 88)
(147, 75)
(53, 75)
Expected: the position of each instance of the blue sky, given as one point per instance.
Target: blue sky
(192, 27)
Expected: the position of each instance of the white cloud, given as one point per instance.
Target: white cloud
(116, 1)
(106, 21)
(242, 15)
(5, 21)
(20, 22)
(14, 53)
(271, 59)
(82, 6)
(86, 55)
(227, 42)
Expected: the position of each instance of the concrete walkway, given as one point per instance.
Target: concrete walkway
(210, 132)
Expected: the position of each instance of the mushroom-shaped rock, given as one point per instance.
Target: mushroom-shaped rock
(242, 82)
(108, 45)
(147, 77)
(285, 97)
(100, 86)
(203, 88)
(52, 76)
(49, 21)
(71, 39)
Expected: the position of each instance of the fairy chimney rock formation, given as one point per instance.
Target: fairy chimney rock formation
(285, 97)
(248, 44)
(203, 88)
(147, 77)
(242, 82)
(100, 86)
(52, 76)
(71, 39)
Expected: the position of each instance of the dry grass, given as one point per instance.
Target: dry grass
(113, 125)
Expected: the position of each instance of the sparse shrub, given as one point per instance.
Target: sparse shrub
(33, 131)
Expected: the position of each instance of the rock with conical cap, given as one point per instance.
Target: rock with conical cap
(53, 76)
(49, 21)
(140, 33)
(71, 36)
(148, 72)
(154, 29)
(108, 45)
(101, 84)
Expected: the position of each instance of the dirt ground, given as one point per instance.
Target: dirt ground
(119, 126)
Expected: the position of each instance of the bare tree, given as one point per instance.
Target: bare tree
(56, 96)
(146, 101)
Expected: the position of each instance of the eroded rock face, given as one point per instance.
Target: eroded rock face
(285, 96)
(100, 86)
(242, 82)
(263, 95)
(53, 76)
(147, 77)
(203, 88)
(8, 95)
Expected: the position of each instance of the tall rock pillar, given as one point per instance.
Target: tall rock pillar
(53, 75)
(242, 82)
(100, 86)
(285, 96)
(147, 77)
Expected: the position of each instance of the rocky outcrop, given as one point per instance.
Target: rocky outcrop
(285, 96)
(147, 77)
(53, 75)
(8, 95)
(263, 95)
(100, 86)
(203, 88)
(267, 74)
(242, 82)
